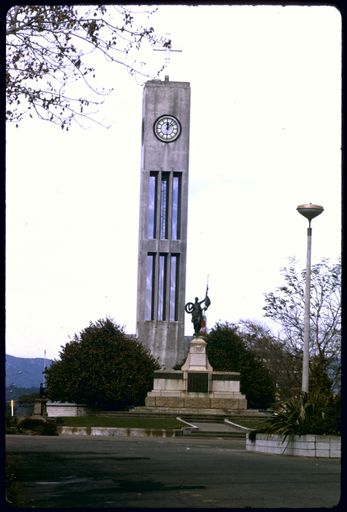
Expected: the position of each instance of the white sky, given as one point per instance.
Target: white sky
(265, 137)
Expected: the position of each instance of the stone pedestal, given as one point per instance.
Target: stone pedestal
(196, 385)
(40, 407)
(56, 409)
(197, 357)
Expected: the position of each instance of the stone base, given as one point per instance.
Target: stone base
(171, 411)
(57, 409)
(197, 357)
(197, 402)
(196, 385)
(40, 407)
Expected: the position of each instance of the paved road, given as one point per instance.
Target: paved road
(56, 472)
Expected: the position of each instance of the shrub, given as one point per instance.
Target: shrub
(38, 426)
(11, 425)
(313, 413)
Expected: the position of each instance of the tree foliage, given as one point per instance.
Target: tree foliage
(103, 368)
(227, 351)
(50, 47)
(286, 306)
(284, 367)
(320, 381)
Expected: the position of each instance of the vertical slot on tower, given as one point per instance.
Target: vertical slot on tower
(164, 201)
(152, 205)
(174, 268)
(176, 207)
(162, 272)
(150, 276)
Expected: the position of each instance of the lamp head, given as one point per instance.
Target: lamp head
(310, 211)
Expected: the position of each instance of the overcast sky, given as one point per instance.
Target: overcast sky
(265, 137)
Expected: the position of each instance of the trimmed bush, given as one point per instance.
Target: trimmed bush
(38, 426)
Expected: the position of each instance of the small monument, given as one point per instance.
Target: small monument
(40, 409)
(196, 386)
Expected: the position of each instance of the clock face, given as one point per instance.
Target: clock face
(167, 128)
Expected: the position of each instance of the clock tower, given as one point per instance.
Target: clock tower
(163, 219)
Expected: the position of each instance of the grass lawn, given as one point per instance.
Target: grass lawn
(120, 422)
(127, 421)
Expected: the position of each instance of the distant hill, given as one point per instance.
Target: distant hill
(25, 372)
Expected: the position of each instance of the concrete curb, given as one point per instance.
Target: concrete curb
(302, 446)
(119, 432)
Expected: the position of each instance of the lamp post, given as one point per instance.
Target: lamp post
(310, 211)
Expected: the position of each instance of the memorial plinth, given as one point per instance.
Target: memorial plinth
(196, 385)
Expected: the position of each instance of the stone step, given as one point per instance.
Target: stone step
(214, 433)
(184, 410)
(138, 414)
(204, 418)
(192, 416)
(208, 426)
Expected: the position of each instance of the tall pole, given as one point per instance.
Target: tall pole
(310, 211)
(306, 351)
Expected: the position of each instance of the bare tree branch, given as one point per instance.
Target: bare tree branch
(50, 47)
(286, 307)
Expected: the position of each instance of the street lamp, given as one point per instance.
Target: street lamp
(310, 211)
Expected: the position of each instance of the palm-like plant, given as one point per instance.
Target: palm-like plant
(290, 416)
(307, 413)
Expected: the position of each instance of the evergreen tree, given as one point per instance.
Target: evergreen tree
(103, 368)
(227, 351)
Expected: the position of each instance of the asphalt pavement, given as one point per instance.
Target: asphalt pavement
(165, 473)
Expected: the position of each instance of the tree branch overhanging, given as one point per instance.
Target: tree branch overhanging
(56, 43)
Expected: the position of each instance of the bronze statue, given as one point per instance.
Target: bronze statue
(197, 311)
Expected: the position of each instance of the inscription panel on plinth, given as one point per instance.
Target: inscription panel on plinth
(198, 360)
(197, 382)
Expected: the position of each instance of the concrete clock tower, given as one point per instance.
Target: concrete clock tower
(163, 219)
